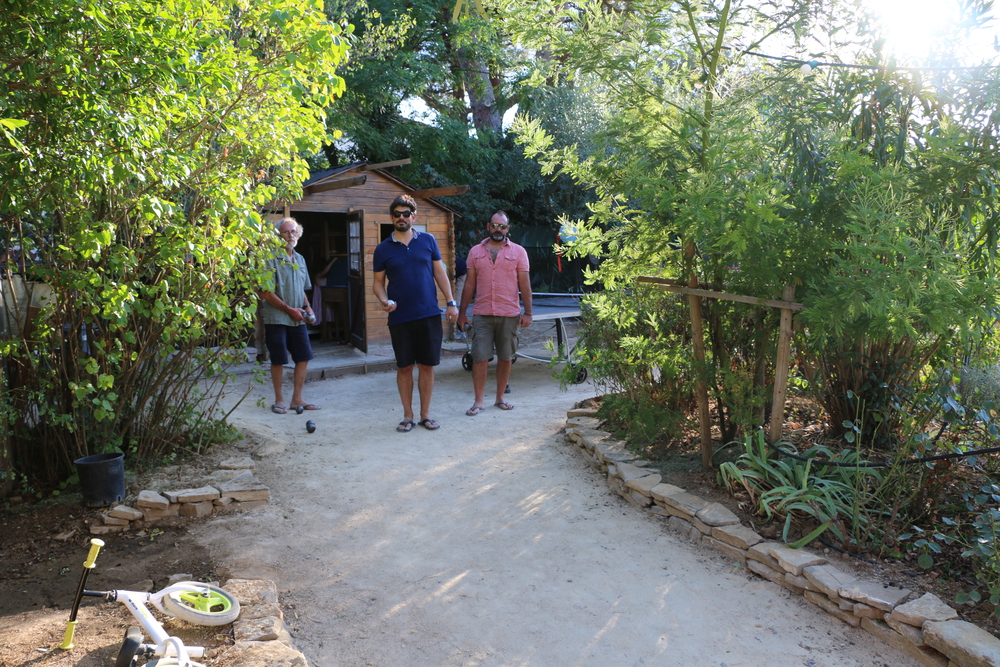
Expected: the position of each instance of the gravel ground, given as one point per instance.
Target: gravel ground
(490, 542)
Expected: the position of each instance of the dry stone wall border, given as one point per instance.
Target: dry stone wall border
(232, 486)
(923, 627)
(262, 639)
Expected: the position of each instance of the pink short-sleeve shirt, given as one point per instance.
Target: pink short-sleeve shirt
(496, 283)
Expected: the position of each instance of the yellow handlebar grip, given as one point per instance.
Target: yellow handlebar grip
(95, 546)
(67, 642)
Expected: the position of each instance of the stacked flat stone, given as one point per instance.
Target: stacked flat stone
(924, 628)
(232, 486)
(262, 640)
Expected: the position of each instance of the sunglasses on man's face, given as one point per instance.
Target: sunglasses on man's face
(405, 213)
(498, 225)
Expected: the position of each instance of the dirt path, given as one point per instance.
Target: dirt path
(489, 542)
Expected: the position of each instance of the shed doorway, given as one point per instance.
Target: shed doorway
(332, 244)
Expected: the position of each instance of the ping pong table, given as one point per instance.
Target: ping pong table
(556, 308)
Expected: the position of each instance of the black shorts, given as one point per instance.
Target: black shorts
(417, 341)
(278, 337)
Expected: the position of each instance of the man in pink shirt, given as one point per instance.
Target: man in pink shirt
(497, 271)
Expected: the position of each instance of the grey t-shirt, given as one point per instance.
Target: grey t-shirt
(291, 280)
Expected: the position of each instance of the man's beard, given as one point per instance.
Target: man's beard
(499, 237)
(402, 225)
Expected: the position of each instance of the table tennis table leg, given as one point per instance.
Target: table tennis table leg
(561, 339)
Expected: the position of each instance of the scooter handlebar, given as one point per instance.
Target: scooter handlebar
(95, 547)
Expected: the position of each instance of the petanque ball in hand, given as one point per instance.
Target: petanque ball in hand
(299, 409)
(310, 426)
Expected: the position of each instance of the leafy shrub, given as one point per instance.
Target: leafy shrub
(974, 527)
(135, 179)
(646, 420)
(980, 386)
(631, 343)
(837, 498)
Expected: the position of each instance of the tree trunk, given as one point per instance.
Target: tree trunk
(486, 117)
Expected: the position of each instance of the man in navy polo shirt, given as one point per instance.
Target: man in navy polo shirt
(412, 263)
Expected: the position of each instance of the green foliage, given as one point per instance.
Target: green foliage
(846, 184)
(977, 532)
(872, 191)
(682, 154)
(627, 345)
(647, 420)
(414, 49)
(837, 499)
(893, 272)
(980, 387)
(155, 135)
(410, 57)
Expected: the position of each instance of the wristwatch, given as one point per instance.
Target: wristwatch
(452, 303)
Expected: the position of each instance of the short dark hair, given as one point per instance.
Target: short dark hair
(403, 200)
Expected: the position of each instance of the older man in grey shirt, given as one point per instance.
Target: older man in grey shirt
(285, 312)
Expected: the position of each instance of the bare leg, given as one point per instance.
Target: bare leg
(503, 376)
(298, 381)
(277, 372)
(425, 383)
(479, 373)
(404, 382)
(259, 338)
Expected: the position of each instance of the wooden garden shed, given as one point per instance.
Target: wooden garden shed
(344, 213)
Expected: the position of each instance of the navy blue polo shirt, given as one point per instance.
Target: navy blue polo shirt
(409, 270)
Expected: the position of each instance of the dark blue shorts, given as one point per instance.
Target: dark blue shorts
(278, 337)
(417, 341)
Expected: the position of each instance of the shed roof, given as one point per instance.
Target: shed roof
(326, 175)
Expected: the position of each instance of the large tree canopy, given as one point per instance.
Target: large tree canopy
(425, 87)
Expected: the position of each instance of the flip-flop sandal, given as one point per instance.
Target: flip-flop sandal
(474, 410)
(429, 424)
(306, 406)
(503, 405)
(405, 426)
(279, 409)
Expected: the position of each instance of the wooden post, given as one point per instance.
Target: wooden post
(701, 389)
(694, 293)
(781, 368)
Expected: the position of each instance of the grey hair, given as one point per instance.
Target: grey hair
(298, 227)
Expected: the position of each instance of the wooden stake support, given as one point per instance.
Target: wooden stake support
(701, 389)
(787, 306)
(781, 368)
